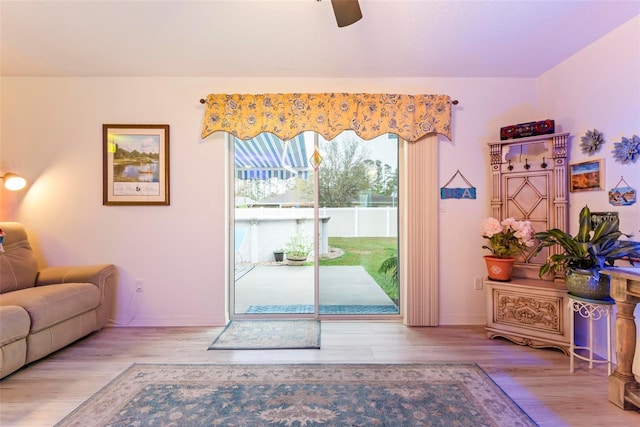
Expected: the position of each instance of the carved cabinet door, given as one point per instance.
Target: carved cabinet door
(529, 182)
(527, 197)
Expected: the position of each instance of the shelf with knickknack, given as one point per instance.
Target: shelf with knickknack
(529, 182)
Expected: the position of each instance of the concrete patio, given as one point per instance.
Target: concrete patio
(279, 284)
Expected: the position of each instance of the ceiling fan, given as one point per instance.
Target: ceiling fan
(347, 11)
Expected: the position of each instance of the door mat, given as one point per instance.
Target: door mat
(443, 394)
(268, 335)
(324, 309)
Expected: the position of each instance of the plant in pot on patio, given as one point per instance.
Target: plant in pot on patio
(506, 240)
(586, 253)
(278, 255)
(297, 249)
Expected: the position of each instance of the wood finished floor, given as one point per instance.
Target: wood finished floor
(538, 380)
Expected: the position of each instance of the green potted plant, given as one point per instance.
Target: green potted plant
(586, 253)
(297, 249)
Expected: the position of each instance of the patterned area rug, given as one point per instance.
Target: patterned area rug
(324, 309)
(300, 395)
(268, 334)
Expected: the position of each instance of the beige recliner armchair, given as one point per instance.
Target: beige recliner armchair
(43, 311)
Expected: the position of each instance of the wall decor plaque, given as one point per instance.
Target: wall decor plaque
(622, 196)
(598, 217)
(458, 192)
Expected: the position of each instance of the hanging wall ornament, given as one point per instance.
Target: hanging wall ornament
(457, 192)
(622, 196)
(591, 141)
(627, 150)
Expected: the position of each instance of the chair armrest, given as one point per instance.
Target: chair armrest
(95, 274)
(103, 276)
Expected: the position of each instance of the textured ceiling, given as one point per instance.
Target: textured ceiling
(299, 38)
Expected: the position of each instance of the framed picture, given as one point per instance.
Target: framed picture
(135, 164)
(586, 176)
(598, 217)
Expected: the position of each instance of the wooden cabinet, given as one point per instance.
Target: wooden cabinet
(529, 181)
(529, 312)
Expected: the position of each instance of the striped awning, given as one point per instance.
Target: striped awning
(267, 156)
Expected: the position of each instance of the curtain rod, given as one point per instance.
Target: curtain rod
(454, 102)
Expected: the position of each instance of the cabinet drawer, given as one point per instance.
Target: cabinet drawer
(528, 310)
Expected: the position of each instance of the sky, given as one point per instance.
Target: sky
(142, 143)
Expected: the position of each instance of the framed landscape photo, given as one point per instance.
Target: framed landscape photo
(135, 164)
(586, 176)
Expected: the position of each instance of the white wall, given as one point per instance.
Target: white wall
(487, 105)
(599, 87)
(51, 133)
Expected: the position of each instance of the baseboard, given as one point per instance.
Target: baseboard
(477, 319)
(159, 321)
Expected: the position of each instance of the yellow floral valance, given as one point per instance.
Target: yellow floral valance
(287, 114)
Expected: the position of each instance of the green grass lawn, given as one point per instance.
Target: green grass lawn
(368, 252)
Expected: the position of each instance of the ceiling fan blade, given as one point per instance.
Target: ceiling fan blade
(347, 11)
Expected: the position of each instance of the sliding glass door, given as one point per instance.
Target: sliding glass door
(273, 218)
(358, 211)
(315, 226)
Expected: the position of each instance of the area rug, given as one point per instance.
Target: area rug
(268, 335)
(324, 309)
(300, 395)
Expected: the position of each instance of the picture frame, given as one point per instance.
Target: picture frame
(598, 217)
(586, 176)
(135, 164)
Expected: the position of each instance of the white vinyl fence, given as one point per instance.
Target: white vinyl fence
(261, 231)
(362, 222)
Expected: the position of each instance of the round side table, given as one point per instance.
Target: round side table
(593, 310)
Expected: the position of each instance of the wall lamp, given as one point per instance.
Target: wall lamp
(13, 181)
